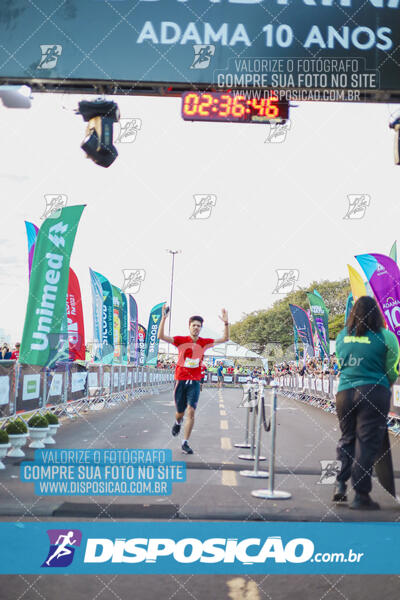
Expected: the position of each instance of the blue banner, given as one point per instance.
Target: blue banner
(203, 548)
(303, 326)
(107, 329)
(97, 305)
(133, 325)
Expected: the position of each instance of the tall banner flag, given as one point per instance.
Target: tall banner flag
(357, 285)
(48, 288)
(117, 312)
(141, 345)
(296, 343)
(393, 251)
(152, 331)
(320, 317)
(97, 307)
(107, 320)
(31, 233)
(384, 277)
(73, 317)
(349, 306)
(76, 328)
(124, 327)
(304, 329)
(133, 324)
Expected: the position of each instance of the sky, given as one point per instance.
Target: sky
(278, 205)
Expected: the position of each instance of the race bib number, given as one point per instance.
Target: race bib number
(191, 363)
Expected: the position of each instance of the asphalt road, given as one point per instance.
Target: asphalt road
(214, 490)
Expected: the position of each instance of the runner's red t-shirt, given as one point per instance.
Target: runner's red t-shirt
(190, 356)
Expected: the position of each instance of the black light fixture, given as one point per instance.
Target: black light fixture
(98, 143)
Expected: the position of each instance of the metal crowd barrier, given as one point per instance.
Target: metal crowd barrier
(321, 392)
(68, 388)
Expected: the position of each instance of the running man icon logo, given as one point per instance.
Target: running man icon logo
(62, 547)
(54, 204)
(50, 55)
(286, 280)
(202, 55)
(329, 470)
(358, 204)
(128, 129)
(132, 280)
(203, 205)
(277, 132)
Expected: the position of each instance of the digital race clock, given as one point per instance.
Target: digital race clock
(226, 107)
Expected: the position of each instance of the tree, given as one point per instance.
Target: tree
(275, 325)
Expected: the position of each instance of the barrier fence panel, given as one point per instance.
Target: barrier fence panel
(54, 386)
(107, 373)
(29, 393)
(77, 382)
(8, 374)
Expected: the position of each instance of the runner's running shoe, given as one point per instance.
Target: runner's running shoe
(186, 449)
(176, 429)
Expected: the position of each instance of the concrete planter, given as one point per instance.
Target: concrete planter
(53, 428)
(3, 452)
(37, 435)
(17, 441)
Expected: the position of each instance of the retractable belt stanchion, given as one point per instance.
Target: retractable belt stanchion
(246, 438)
(252, 455)
(256, 472)
(271, 493)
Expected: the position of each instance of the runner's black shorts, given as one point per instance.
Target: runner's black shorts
(186, 392)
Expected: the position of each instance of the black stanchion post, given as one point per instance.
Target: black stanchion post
(271, 493)
(256, 472)
(247, 397)
(252, 456)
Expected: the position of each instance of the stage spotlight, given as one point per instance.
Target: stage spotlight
(98, 143)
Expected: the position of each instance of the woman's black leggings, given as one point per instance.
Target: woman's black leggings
(362, 414)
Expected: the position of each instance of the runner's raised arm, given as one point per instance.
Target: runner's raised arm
(224, 318)
(161, 335)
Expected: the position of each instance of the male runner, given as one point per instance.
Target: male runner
(191, 350)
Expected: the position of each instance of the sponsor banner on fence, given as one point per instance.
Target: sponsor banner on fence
(204, 548)
(30, 386)
(7, 389)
